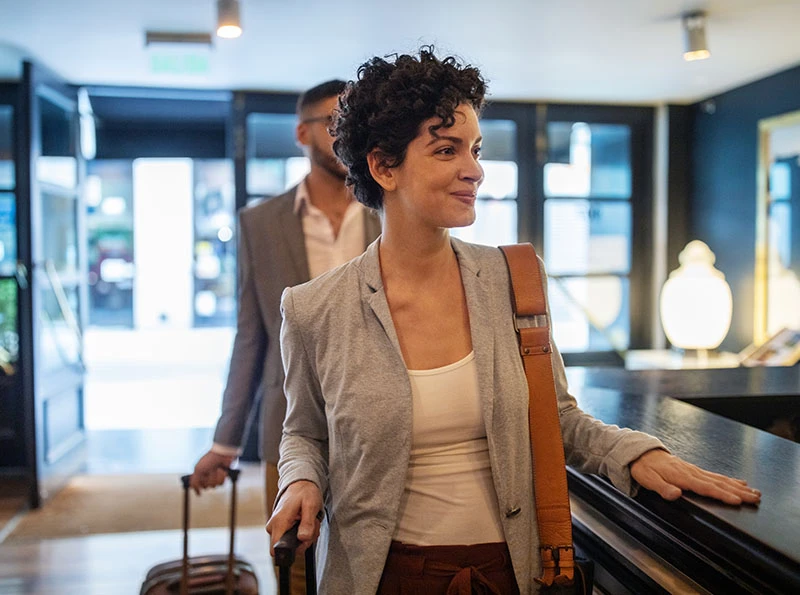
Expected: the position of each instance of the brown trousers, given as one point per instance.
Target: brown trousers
(299, 566)
(483, 568)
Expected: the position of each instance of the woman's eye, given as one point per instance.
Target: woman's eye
(478, 151)
(447, 151)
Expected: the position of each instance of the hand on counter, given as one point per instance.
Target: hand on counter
(668, 475)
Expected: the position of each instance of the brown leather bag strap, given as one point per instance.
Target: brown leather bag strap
(547, 446)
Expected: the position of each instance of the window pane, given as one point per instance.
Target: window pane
(588, 160)
(8, 234)
(214, 244)
(274, 161)
(495, 224)
(58, 171)
(59, 233)
(583, 236)
(499, 180)
(780, 231)
(589, 314)
(58, 341)
(499, 140)
(9, 337)
(271, 177)
(6, 147)
(109, 220)
(780, 181)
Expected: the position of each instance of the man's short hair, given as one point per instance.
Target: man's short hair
(319, 93)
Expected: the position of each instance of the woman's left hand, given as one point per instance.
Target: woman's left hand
(669, 475)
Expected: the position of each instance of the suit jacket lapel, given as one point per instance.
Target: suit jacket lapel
(292, 230)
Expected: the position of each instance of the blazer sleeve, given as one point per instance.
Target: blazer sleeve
(304, 444)
(591, 446)
(249, 349)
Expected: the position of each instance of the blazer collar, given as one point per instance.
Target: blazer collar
(370, 264)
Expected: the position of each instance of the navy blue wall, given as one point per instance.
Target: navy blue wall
(722, 191)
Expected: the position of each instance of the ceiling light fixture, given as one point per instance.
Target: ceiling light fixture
(228, 23)
(694, 28)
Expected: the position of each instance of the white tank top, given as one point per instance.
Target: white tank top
(449, 497)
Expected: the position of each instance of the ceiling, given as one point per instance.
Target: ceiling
(600, 51)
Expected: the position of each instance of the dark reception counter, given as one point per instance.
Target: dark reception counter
(647, 545)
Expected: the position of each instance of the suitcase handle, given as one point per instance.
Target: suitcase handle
(285, 551)
(230, 577)
(286, 546)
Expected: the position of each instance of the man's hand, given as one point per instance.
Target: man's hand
(210, 471)
(301, 501)
(669, 475)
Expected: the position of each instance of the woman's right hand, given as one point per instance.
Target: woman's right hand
(301, 501)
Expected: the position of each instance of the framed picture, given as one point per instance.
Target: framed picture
(782, 349)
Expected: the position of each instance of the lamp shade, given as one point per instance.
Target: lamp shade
(228, 22)
(694, 30)
(696, 303)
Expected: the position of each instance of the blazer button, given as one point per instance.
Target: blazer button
(512, 512)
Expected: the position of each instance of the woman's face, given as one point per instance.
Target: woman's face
(437, 183)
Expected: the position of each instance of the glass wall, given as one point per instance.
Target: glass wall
(9, 333)
(274, 161)
(587, 234)
(109, 205)
(112, 224)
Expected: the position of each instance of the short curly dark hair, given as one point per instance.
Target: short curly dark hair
(386, 106)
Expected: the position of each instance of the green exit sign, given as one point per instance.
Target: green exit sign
(179, 63)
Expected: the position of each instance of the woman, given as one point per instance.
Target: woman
(407, 402)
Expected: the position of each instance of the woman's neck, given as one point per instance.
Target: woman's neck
(415, 255)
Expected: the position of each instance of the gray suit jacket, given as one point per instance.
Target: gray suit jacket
(271, 257)
(348, 424)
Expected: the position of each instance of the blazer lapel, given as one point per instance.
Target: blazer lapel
(479, 303)
(292, 229)
(374, 294)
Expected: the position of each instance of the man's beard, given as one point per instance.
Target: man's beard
(328, 162)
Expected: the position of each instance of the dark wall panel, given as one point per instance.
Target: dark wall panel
(723, 187)
(129, 141)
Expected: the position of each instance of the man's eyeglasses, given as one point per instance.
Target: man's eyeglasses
(326, 119)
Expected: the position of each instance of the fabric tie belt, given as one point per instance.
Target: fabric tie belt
(465, 566)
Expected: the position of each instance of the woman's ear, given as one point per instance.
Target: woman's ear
(380, 171)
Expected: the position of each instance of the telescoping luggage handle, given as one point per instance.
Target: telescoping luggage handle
(285, 549)
(230, 577)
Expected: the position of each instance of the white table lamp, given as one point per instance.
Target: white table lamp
(696, 303)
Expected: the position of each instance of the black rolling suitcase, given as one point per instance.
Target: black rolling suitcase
(285, 549)
(208, 575)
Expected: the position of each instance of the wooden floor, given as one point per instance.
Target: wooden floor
(113, 564)
(116, 564)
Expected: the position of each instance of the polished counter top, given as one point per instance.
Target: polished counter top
(763, 540)
(697, 383)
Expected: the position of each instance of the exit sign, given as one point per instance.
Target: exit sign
(179, 63)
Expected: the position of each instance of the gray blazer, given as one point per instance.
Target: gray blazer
(271, 256)
(348, 423)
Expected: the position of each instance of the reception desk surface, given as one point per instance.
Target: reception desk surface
(763, 541)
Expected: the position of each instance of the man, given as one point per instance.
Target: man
(283, 241)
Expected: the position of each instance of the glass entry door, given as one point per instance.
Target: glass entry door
(57, 262)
